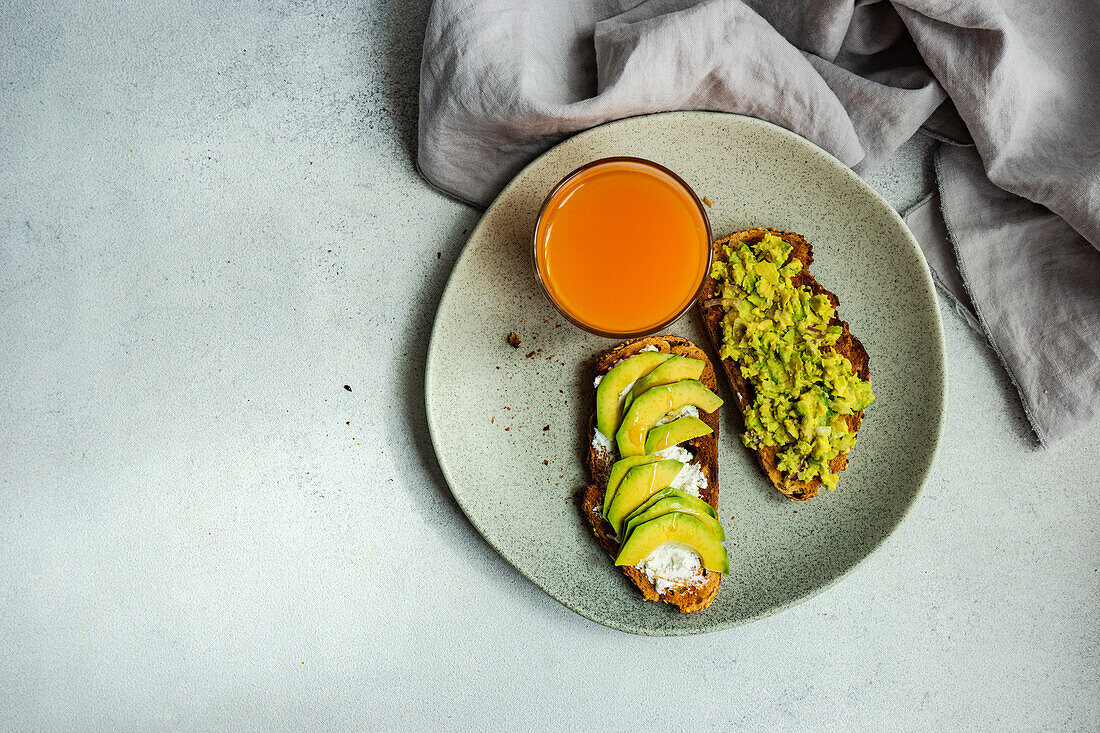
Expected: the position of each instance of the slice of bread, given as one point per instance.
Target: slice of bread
(705, 451)
(848, 345)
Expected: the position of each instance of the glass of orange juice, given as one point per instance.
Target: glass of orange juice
(622, 247)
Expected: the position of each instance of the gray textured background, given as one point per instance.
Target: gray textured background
(210, 223)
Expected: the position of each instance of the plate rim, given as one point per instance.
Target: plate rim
(928, 286)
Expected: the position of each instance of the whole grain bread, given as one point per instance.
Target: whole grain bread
(848, 345)
(705, 453)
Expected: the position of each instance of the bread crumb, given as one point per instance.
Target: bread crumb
(545, 462)
(507, 429)
(513, 340)
(529, 355)
(708, 201)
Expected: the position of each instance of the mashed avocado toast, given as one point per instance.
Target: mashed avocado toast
(653, 457)
(801, 378)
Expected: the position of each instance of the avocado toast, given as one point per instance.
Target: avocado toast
(664, 510)
(801, 379)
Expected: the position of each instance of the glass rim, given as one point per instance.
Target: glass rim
(648, 330)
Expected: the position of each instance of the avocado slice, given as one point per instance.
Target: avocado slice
(650, 405)
(682, 495)
(675, 527)
(673, 504)
(677, 431)
(608, 410)
(618, 471)
(673, 370)
(640, 483)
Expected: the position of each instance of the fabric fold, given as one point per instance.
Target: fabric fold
(1034, 282)
(504, 80)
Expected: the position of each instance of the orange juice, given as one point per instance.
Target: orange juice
(622, 247)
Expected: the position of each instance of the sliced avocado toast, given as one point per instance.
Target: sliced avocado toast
(801, 379)
(630, 500)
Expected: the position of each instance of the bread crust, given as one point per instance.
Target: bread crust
(705, 450)
(848, 345)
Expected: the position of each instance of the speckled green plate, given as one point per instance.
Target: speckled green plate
(510, 425)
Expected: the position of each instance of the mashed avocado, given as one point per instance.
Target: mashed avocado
(779, 334)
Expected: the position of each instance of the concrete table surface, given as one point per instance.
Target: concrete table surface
(210, 224)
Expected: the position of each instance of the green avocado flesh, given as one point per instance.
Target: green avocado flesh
(618, 471)
(674, 527)
(651, 405)
(677, 431)
(672, 504)
(780, 336)
(678, 494)
(640, 483)
(673, 370)
(608, 409)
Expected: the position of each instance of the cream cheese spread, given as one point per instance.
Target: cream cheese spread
(601, 443)
(690, 480)
(687, 411)
(672, 565)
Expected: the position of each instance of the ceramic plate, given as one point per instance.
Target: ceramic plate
(509, 425)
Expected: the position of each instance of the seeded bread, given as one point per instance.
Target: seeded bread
(848, 345)
(705, 451)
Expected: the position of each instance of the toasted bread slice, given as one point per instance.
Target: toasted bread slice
(705, 451)
(848, 345)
